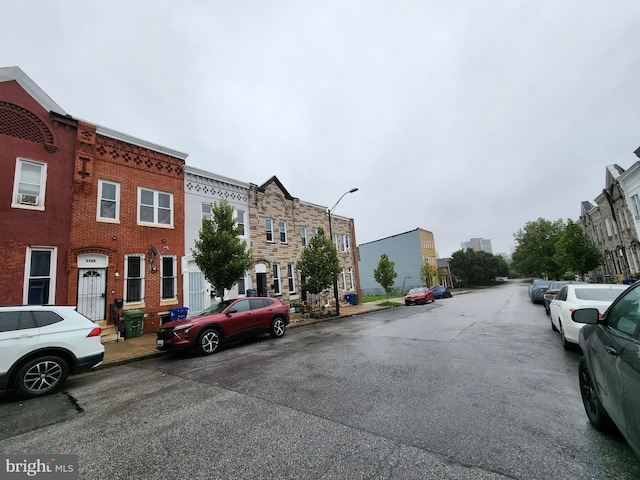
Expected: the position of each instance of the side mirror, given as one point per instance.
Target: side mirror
(585, 315)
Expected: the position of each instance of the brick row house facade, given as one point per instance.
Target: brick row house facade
(102, 220)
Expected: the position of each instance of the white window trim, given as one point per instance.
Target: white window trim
(303, 236)
(52, 273)
(203, 214)
(16, 184)
(243, 223)
(282, 229)
(277, 277)
(156, 206)
(268, 225)
(344, 280)
(346, 244)
(291, 277)
(351, 277)
(142, 277)
(175, 277)
(99, 218)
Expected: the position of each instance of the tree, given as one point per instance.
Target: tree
(319, 263)
(477, 267)
(430, 275)
(385, 273)
(575, 252)
(221, 255)
(536, 247)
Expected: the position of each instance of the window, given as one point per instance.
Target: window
(242, 306)
(276, 279)
(335, 240)
(282, 227)
(268, 225)
(155, 207)
(40, 278)
(134, 278)
(344, 280)
(29, 184)
(624, 316)
(346, 244)
(635, 202)
(291, 275)
(169, 281)
(607, 225)
(242, 290)
(206, 211)
(351, 286)
(314, 232)
(108, 200)
(241, 230)
(303, 236)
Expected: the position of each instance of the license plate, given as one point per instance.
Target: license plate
(159, 343)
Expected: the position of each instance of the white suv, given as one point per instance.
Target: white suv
(41, 345)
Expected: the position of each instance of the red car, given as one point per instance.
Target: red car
(418, 295)
(227, 321)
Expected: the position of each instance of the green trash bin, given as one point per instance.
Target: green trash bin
(355, 299)
(133, 323)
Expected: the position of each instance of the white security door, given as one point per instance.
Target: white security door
(91, 292)
(198, 298)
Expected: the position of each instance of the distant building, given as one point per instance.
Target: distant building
(409, 250)
(478, 244)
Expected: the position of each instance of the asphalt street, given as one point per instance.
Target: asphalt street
(476, 386)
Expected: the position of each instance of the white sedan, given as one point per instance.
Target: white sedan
(580, 295)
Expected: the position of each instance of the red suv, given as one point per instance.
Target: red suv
(227, 321)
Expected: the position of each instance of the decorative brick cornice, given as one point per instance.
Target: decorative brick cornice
(19, 122)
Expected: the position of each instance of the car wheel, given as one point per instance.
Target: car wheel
(596, 413)
(278, 327)
(40, 376)
(406, 304)
(208, 342)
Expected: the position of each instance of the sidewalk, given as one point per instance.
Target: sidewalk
(144, 346)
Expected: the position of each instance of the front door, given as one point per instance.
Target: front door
(92, 286)
(262, 284)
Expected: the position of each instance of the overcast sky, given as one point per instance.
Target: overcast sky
(465, 118)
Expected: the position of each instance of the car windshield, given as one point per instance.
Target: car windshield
(437, 288)
(598, 294)
(216, 308)
(416, 290)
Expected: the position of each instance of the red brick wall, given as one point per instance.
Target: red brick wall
(27, 130)
(101, 157)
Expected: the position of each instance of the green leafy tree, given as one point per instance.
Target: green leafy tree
(477, 267)
(221, 255)
(536, 247)
(319, 263)
(430, 275)
(385, 273)
(575, 252)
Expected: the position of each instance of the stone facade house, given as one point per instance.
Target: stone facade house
(280, 228)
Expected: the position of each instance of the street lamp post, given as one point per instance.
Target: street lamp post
(335, 277)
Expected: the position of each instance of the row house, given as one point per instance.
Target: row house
(280, 228)
(202, 190)
(611, 225)
(91, 217)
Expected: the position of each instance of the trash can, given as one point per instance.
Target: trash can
(355, 299)
(133, 323)
(252, 292)
(178, 313)
(350, 298)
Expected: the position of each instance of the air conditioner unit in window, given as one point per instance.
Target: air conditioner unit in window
(27, 199)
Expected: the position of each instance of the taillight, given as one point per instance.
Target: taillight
(95, 332)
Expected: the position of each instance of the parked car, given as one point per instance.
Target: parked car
(553, 290)
(41, 345)
(440, 291)
(538, 289)
(609, 370)
(574, 296)
(226, 321)
(419, 295)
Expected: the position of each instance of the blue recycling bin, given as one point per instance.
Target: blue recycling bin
(178, 313)
(351, 298)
